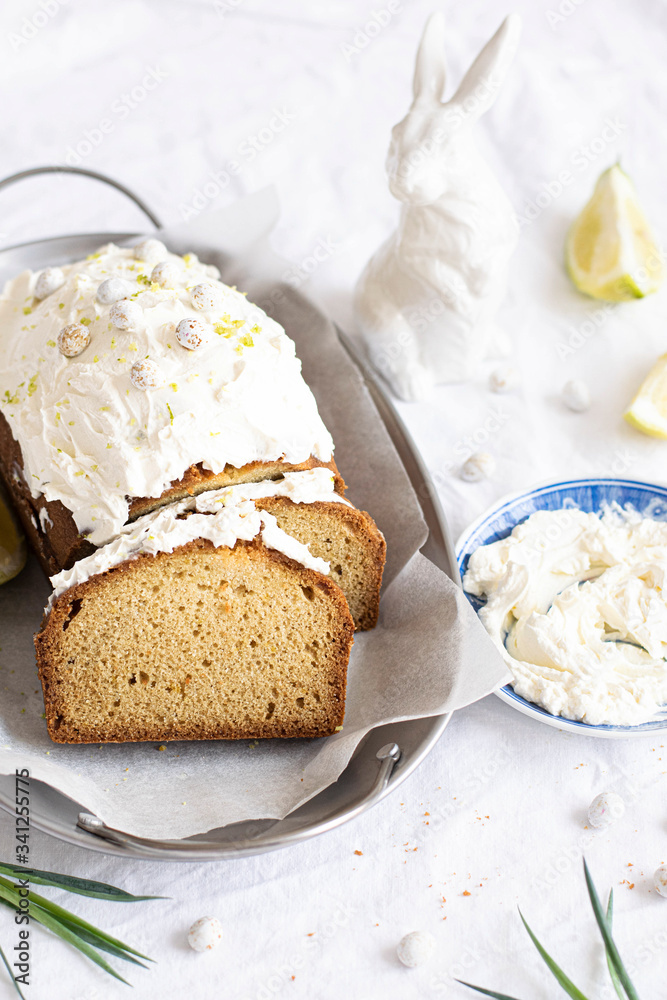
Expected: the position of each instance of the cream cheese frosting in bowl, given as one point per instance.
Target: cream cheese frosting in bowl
(570, 581)
(120, 371)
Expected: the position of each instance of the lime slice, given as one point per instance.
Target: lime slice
(12, 544)
(610, 252)
(648, 410)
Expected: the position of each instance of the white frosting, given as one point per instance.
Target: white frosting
(299, 487)
(576, 603)
(222, 516)
(45, 520)
(91, 439)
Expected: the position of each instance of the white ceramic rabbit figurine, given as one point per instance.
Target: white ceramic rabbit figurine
(427, 299)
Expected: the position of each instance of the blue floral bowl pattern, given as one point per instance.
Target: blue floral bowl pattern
(590, 495)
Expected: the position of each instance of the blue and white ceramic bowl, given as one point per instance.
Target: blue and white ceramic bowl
(586, 494)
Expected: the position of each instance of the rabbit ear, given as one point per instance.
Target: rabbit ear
(479, 87)
(429, 79)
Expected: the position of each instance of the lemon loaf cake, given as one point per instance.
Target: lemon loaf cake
(176, 480)
(202, 620)
(132, 378)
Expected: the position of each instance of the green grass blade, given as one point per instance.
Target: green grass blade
(11, 974)
(64, 932)
(82, 886)
(486, 993)
(556, 970)
(7, 891)
(612, 950)
(92, 939)
(616, 982)
(102, 944)
(60, 913)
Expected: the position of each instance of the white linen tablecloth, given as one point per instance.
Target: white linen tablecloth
(194, 103)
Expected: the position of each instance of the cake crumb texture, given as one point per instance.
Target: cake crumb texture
(348, 539)
(200, 643)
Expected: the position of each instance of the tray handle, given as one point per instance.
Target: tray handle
(388, 755)
(36, 171)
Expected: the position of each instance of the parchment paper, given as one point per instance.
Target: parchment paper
(428, 655)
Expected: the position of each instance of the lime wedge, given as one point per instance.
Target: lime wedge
(610, 252)
(648, 410)
(12, 544)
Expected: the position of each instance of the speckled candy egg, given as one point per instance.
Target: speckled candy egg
(73, 339)
(193, 333)
(660, 881)
(111, 290)
(605, 809)
(415, 948)
(576, 395)
(125, 314)
(50, 280)
(479, 466)
(205, 934)
(166, 274)
(205, 296)
(503, 379)
(146, 375)
(150, 251)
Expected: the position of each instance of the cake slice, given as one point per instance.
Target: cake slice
(203, 642)
(304, 508)
(222, 609)
(347, 539)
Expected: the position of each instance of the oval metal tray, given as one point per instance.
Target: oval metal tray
(381, 762)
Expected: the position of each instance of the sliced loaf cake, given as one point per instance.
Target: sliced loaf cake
(177, 482)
